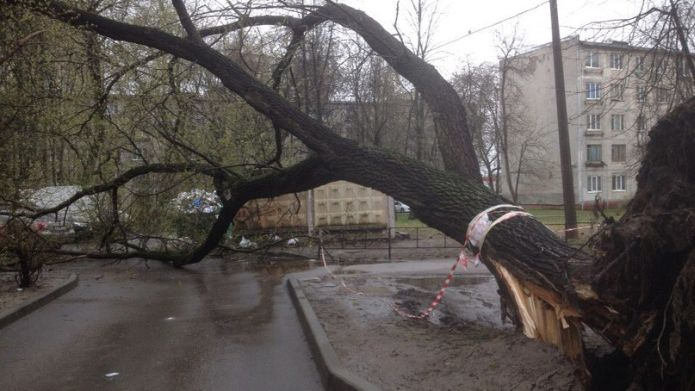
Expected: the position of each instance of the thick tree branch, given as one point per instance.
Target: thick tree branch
(449, 114)
(122, 180)
(444, 210)
(186, 21)
(251, 21)
(303, 176)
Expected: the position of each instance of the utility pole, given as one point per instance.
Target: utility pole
(565, 157)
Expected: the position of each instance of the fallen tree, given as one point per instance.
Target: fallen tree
(636, 290)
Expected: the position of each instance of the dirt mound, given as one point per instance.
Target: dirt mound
(463, 345)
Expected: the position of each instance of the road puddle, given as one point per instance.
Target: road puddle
(434, 283)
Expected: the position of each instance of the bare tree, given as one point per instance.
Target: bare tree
(479, 88)
(659, 70)
(522, 153)
(421, 19)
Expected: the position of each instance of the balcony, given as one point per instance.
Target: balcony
(595, 163)
(593, 71)
(592, 101)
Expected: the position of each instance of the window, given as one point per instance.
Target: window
(139, 154)
(641, 94)
(112, 108)
(680, 66)
(593, 122)
(617, 122)
(617, 91)
(661, 68)
(641, 123)
(662, 95)
(639, 64)
(618, 182)
(593, 183)
(616, 61)
(593, 90)
(618, 152)
(593, 153)
(642, 138)
(592, 60)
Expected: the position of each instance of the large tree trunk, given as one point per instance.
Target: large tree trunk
(637, 293)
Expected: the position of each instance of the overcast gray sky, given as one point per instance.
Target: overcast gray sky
(457, 17)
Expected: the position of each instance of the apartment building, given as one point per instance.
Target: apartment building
(615, 93)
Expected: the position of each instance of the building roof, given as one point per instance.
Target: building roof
(610, 45)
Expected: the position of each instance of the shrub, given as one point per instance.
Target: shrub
(25, 249)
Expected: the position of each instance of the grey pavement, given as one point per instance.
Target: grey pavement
(438, 267)
(213, 326)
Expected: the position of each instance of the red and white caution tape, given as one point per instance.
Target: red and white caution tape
(463, 260)
(476, 233)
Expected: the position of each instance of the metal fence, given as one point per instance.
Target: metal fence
(389, 239)
(399, 238)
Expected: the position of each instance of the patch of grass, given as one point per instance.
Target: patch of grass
(556, 217)
(403, 219)
(414, 227)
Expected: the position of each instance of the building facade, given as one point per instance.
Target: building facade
(337, 206)
(615, 93)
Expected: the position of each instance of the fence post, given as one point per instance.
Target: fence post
(318, 248)
(417, 237)
(388, 234)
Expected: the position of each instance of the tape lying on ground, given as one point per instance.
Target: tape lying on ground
(477, 231)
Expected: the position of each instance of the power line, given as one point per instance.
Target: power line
(471, 32)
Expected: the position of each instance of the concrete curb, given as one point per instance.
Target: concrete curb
(9, 316)
(333, 375)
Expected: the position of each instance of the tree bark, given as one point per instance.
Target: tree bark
(447, 110)
(646, 263)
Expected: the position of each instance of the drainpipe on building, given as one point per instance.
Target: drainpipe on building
(580, 135)
(310, 211)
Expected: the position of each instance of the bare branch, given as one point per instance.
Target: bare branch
(122, 180)
(683, 40)
(18, 46)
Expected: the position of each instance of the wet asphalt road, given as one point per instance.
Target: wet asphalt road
(214, 326)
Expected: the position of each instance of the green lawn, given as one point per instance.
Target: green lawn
(552, 217)
(557, 216)
(404, 220)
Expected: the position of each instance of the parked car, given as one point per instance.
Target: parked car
(401, 207)
(76, 217)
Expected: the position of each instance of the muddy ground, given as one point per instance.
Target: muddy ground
(12, 296)
(463, 345)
